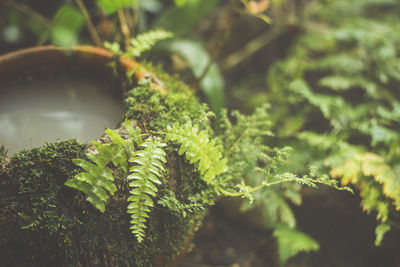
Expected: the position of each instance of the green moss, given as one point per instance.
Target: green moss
(45, 223)
(156, 110)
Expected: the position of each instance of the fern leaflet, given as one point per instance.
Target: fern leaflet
(97, 182)
(144, 175)
(97, 179)
(198, 149)
(140, 44)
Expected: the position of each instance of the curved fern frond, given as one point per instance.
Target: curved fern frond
(144, 175)
(145, 41)
(198, 149)
(97, 182)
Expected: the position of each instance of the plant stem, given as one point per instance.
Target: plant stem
(92, 29)
(252, 47)
(27, 11)
(230, 151)
(124, 27)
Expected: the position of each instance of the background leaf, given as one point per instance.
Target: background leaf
(112, 6)
(180, 20)
(198, 59)
(66, 26)
(291, 242)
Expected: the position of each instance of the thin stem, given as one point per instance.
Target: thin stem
(252, 47)
(124, 28)
(230, 151)
(92, 29)
(206, 69)
(27, 11)
(135, 18)
(252, 189)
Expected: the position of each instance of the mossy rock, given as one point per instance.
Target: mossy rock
(45, 223)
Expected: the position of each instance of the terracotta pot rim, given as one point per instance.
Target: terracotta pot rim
(89, 57)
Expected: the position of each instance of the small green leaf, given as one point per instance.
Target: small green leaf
(380, 232)
(87, 166)
(115, 137)
(79, 185)
(291, 242)
(66, 25)
(198, 59)
(96, 202)
(112, 6)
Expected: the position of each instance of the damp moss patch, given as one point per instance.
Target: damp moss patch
(45, 223)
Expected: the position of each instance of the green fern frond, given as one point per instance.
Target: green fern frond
(145, 41)
(170, 201)
(292, 242)
(95, 182)
(380, 232)
(140, 44)
(198, 149)
(144, 175)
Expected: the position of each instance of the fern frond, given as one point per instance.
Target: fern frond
(97, 180)
(367, 171)
(198, 149)
(170, 201)
(292, 242)
(144, 175)
(95, 183)
(145, 41)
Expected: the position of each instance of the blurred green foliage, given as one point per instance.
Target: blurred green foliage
(66, 26)
(337, 92)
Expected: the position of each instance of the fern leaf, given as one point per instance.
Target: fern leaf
(145, 41)
(380, 232)
(95, 183)
(97, 180)
(148, 166)
(198, 149)
(292, 242)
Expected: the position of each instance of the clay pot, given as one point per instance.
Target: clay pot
(44, 222)
(51, 93)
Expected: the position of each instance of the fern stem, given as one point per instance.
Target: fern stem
(230, 151)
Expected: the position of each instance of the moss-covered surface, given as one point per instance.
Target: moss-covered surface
(45, 223)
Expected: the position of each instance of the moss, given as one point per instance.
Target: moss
(45, 223)
(156, 110)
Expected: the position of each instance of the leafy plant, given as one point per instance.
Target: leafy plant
(340, 81)
(200, 62)
(97, 180)
(140, 44)
(144, 175)
(146, 164)
(258, 171)
(199, 149)
(66, 25)
(291, 242)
